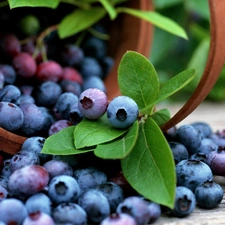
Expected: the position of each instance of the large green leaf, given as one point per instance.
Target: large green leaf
(150, 168)
(176, 83)
(33, 3)
(79, 20)
(62, 143)
(119, 148)
(93, 132)
(138, 79)
(156, 19)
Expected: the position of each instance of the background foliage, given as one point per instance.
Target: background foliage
(170, 54)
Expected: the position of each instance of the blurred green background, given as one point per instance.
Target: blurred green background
(170, 54)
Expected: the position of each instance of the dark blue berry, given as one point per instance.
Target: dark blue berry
(94, 82)
(95, 204)
(11, 116)
(8, 72)
(58, 167)
(12, 211)
(208, 194)
(10, 93)
(69, 213)
(113, 193)
(179, 151)
(38, 202)
(64, 104)
(122, 112)
(48, 93)
(190, 173)
(204, 128)
(190, 137)
(63, 189)
(207, 146)
(89, 177)
(185, 202)
(137, 207)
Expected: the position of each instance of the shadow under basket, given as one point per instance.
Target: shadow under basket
(126, 33)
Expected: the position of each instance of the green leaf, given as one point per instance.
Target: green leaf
(156, 19)
(150, 168)
(62, 143)
(161, 116)
(175, 84)
(80, 20)
(109, 8)
(33, 3)
(93, 132)
(119, 148)
(138, 79)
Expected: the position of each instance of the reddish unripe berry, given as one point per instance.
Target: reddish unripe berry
(9, 45)
(72, 74)
(24, 65)
(49, 71)
(28, 180)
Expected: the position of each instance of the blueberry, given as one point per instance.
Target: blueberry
(27, 181)
(25, 99)
(216, 161)
(154, 211)
(95, 204)
(58, 125)
(69, 213)
(23, 158)
(119, 219)
(190, 137)
(11, 116)
(64, 104)
(137, 207)
(75, 115)
(10, 93)
(58, 167)
(2, 80)
(12, 211)
(122, 112)
(107, 64)
(38, 202)
(89, 177)
(190, 173)
(208, 194)
(33, 119)
(179, 151)
(71, 55)
(9, 73)
(90, 67)
(48, 93)
(38, 218)
(94, 82)
(63, 189)
(185, 202)
(92, 103)
(34, 144)
(94, 47)
(207, 146)
(204, 128)
(113, 193)
(71, 86)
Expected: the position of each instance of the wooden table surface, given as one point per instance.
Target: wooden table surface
(214, 114)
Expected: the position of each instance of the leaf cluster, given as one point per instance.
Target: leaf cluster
(146, 158)
(88, 12)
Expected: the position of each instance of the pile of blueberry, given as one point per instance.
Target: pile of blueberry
(84, 189)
